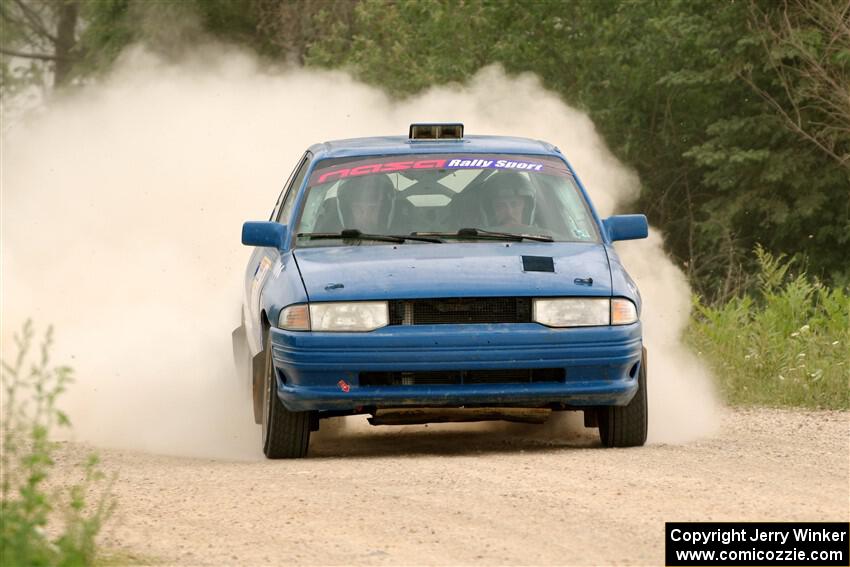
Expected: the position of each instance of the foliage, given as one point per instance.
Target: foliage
(808, 50)
(786, 344)
(279, 30)
(107, 32)
(30, 414)
(286, 30)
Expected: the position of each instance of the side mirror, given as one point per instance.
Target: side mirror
(270, 234)
(626, 227)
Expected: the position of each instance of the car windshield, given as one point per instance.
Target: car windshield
(442, 197)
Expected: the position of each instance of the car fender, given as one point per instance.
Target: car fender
(275, 283)
(622, 284)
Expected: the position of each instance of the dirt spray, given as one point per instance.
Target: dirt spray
(122, 208)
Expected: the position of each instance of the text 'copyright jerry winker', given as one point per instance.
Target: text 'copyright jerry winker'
(757, 543)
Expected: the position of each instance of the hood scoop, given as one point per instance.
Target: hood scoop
(538, 264)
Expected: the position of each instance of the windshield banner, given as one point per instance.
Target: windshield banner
(395, 164)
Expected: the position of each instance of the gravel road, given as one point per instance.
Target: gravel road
(461, 494)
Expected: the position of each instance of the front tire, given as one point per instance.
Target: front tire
(626, 426)
(286, 434)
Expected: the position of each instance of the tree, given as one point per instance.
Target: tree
(807, 46)
(288, 28)
(40, 30)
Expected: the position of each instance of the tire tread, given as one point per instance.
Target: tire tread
(288, 433)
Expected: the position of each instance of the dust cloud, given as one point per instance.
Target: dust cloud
(122, 208)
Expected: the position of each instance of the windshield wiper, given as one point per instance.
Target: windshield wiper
(354, 234)
(481, 233)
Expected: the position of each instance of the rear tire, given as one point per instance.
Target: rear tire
(286, 434)
(625, 426)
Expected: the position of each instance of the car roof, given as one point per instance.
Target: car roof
(391, 145)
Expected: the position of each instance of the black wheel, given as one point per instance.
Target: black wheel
(625, 426)
(286, 434)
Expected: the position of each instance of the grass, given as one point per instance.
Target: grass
(42, 526)
(788, 344)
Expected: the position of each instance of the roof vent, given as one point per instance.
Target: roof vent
(436, 131)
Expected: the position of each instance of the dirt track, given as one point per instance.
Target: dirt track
(461, 495)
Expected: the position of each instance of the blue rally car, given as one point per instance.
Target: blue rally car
(440, 277)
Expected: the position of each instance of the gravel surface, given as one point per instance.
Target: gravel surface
(461, 494)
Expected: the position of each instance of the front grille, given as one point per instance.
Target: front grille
(460, 310)
(447, 377)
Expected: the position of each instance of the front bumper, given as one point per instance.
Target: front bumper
(601, 365)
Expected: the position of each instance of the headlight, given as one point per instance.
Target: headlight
(572, 311)
(584, 312)
(349, 316)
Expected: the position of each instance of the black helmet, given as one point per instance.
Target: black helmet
(508, 185)
(378, 190)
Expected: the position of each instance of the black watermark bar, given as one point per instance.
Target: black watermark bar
(757, 543)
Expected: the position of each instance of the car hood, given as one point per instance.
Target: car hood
(486, 269)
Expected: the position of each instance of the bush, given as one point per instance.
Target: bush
(785, 345)
(29, 510)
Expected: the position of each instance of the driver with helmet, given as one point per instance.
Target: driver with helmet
(366, 203)
(510, 201)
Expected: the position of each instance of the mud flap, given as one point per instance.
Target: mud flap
(247, 370)
(258, 370)
(239, 345)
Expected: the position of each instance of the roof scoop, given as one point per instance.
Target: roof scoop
(450, 131)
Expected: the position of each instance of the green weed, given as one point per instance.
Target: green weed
(30, 511)
(785, 345)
